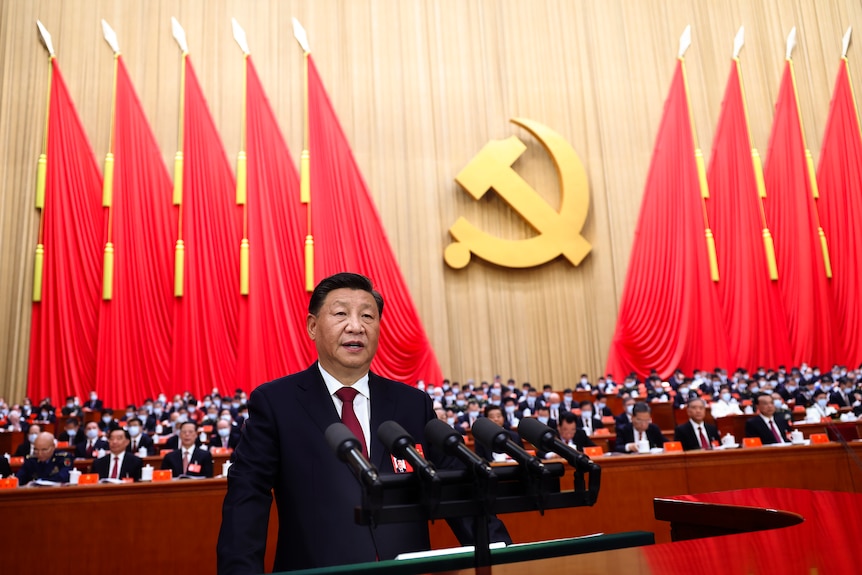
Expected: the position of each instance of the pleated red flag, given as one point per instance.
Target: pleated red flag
(136, 324)
(273, 341)
(839, 176)
(349, 236)
(207, 316)
(750, 300)
(669, 315)
(65, 323)
(792, 216)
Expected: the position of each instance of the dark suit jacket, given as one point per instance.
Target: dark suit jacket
(131, 466)
(75, 439)
(283, 448)
(5, 469)
(232, 440)
(653, 435)
(686, 435)
(174, 462)
(81, 448)
(23, 449)
(146, 441)
(596, 422)
(756, 427)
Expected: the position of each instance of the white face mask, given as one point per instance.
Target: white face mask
(92, 433)
(107, 419)
(134, 430)
(32, 437)
(224, 432)
(543, 420)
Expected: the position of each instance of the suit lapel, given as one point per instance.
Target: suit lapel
(315, 400)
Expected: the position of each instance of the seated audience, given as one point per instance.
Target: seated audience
(226, 435)
(118, 463)
(72, 408)
(640, 429)
(189, 459)
(94, 403)
(570, 434)
(696, 433)
(5, 469)
(92, 442)
(138, 438)
(107, 421)
(587, 420)
(494, 413)
(764, 425)
(45, 463)
(624, 418)
(726, 404)
(27, 447)
(73, 434)
(820, 408)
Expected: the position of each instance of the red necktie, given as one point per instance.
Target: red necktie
(116, 470)
(185, 461)
(703, 442)
(775, 432)
(90, 448)
(348, 416)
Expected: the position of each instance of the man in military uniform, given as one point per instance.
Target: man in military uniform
(45, 463)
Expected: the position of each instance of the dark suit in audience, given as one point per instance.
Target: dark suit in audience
(685, 433)
(653, 435)
(84, 452)
(142, 440)
(200, 463)
(131, 466)
(757, 427)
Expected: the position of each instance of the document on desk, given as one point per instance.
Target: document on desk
(443, 552)
(44, 483)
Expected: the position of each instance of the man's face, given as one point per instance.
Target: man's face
(187, 435)
(118, 442)
(43, 447)
(765, 405)
(696, 411)
(567, 431)
(641, 421)
(345, 332)
(496, 416)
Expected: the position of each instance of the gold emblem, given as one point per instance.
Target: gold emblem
(558, 232)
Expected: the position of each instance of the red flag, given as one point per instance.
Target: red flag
(135, 326)
(65, 323)
(273, 341)
(669, 314)
(349, 236)
(792, 217)
(750, 300)
(840, 179)
(206, 320)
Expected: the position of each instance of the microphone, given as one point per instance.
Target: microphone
(402, 445)
(545, 440)
(348, 449)
(498, 439)
(449, 441)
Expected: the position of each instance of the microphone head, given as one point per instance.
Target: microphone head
(340, 439)
(489, 433)
(440, 434)
(537, 433)
(394, 437)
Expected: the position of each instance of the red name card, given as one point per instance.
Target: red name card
(818, 438)
(752, 442)
(88, 479)
(594, 451)
(162, 475)
(672, 447)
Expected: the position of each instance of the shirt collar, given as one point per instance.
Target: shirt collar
(333, 385)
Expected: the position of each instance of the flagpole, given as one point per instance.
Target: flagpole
(179, 250)
(108, 182)
(42, 171)
(768, 242)
(242, 161)
(305, 158)
(809, 159)
(684, 43)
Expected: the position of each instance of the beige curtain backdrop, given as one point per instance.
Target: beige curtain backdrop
(420, 86)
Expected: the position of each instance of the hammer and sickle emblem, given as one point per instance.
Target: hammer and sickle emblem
(558, 232)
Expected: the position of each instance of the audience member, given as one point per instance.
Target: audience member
(466, 419)
(640, 429)
(624, 418)
(820, 409)
(13, 421)
(726, 404)
(28, 446)
(189, 459)
(107, 420)
(543, 414)
(570, 434)
(119, 463)
(94, 403)
(587, 420)
(72, 408)
(511, 415)
(73, 434)
(45, 463)
(494, 413)
(696, 433)
(225, 435)
(764, 425)
(139, 439)
(92, 442)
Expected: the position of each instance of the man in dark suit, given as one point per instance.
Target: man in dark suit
(92, 442)
(640, 429)
(73, 434)
(764, 425)
(570, 434)
(94, 403)
(226, 435)
(624, 418)
(28, 445)
(118, 463)
(495, 414)
(588, 420)
(138, 438)
(283, 447)
(188, 458)
(696, 433)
